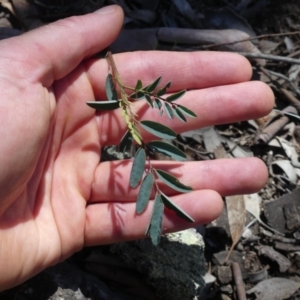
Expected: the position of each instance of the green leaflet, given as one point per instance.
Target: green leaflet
(175, 96)
(126, 142)
(167, 149)
(151, 87)
(169, 110)
(144, 193)
(104, 105)
(155, 226)
(157, 103)
(179, 115)
(163, 90)
(186, 111)
(138, 167)
(172, 181)
(179, 212)
(142, 92)
(139, 85)
(136, 137)
(158, 129)
(149, 100)
(111, 92)
(137, 95)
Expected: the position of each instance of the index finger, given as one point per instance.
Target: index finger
(186, 70)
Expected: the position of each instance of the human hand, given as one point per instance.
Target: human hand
(55, 196)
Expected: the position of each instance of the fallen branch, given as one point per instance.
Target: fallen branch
(271, 57)
(238, 280)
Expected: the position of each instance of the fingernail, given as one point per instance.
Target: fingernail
(106, 10)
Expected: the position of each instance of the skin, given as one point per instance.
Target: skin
(55, 196)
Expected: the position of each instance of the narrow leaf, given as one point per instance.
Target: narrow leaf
(169, 110)
(135, 130)
(163, 90)
(155, 226)
(136, 138)
(158, 129)
(176, 96)
(172, 181)
(157, 103)
(126, 142)
(179, 212)
(111, 92)
(139, 85)
(236, 212)
(138, 167)
(179, 115)
(186, 111)
(135, 133)
(151, 87)
(104, 105)
(167, 149)
(137, 95)
(149, 100)
(144, 193)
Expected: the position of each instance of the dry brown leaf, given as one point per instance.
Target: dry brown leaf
(7, 4)
(236, 212)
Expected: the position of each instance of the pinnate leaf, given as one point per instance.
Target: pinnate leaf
(167, 149)
(172, 181)
(186, 111)
(179, 212)
(176, 96)
(155, 226)
(158, 129)
(144, 193)
(104, 105)
(138, 167)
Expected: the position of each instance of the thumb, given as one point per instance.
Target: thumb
(54, 50)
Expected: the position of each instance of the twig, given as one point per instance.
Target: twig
(287, 113)
(249, 39)
(274, 126)
(269, 72)
(238, 279)
(291, 98)
(201, 153)
(296, 53)
(271, 57)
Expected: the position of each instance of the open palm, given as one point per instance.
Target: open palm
(55, 196)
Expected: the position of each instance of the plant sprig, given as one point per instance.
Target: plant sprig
(143, 174)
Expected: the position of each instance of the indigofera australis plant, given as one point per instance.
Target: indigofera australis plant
(145, 175)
